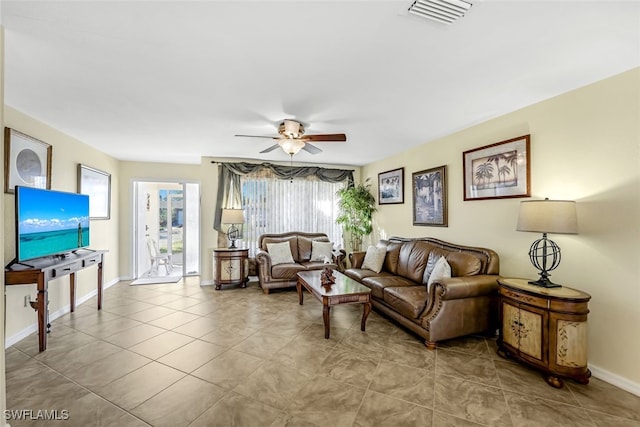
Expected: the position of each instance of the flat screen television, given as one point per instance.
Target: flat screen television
(50, 222)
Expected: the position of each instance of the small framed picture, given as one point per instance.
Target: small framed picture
(391, 187)
(97, 185)
(27, 161)
(430, 197)
(497, 171)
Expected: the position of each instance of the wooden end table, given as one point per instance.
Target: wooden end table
(230, 267)
(545, 328)
(344, 291)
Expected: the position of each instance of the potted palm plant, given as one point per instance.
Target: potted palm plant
(356, 205)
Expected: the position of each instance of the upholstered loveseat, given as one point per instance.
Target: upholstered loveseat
(463, 304)
(304, 256)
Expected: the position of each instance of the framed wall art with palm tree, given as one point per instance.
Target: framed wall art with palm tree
(499, 170)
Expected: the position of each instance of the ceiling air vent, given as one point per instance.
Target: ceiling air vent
(444, 11)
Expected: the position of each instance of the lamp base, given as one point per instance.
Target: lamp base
(232, 234)
(544, 282)
(545, 256)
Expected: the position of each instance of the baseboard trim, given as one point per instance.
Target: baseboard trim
(616, 380)
(206, 283)
(9, 341)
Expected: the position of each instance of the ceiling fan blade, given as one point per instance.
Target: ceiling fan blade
(311, 149)
(258, 136)
(273, 147)
(335, 137)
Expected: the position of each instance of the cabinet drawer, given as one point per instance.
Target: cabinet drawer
(63, 270)
(524, 298)
(91, 261)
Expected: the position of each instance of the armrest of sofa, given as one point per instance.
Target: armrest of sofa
(465, 287)
(263, 259)
(339, 256)
(356, 259)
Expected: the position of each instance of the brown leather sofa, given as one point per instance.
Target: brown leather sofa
(461, 305)
(285, 275)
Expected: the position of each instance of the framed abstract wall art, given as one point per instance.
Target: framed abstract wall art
(391, 187)
(430, 197)
(27, 161)
(496, 171)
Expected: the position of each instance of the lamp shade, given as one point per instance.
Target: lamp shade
(232, 216)
(548, 216)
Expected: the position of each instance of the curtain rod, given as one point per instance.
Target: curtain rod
(215, 162)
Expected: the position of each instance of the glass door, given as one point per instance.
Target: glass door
(167, 228)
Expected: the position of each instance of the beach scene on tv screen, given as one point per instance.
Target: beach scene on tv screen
(51, 223)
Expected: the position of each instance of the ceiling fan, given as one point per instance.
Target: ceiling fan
(292, 138)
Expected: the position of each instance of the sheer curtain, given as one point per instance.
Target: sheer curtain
(274, 205)
(278, 199)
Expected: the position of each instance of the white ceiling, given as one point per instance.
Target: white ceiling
(171, 81)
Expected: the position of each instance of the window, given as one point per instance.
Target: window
(273, 205)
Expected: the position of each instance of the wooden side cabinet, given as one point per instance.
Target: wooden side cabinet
(545, 328)
(230, 267)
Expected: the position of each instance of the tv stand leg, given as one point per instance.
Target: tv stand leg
(100, 280)
(72, 286)
(43, 312)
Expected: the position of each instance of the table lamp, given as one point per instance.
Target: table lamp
(547, 216)
(233, 217)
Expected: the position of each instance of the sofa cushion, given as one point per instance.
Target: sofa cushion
(463, 264)
(413, 260)
(409, 301)
(360, 274)
(434, 256)
(286, 271)
(378, 283)
(280, 253)
(442, 270)
(305, 246)
(293, 243)
(391, 260)
(320, 251)
(374, 258)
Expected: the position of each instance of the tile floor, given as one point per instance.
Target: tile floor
(181, 354)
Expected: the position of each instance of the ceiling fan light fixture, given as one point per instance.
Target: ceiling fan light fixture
(444, 11)
(291, 146)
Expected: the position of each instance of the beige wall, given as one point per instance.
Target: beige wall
(140, 171)
(67, 153)
(585, 146)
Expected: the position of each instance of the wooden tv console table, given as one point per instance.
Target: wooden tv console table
(41, 270)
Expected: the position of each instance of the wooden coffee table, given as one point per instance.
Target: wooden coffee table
(343, 291)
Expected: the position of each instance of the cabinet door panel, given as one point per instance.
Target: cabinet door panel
(230, 269)
(571, 347)
(531, 329)
(510, 325)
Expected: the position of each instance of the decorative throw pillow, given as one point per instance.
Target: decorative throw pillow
(280, 253)
(442, 270)
(374, 258)
(320, 251)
